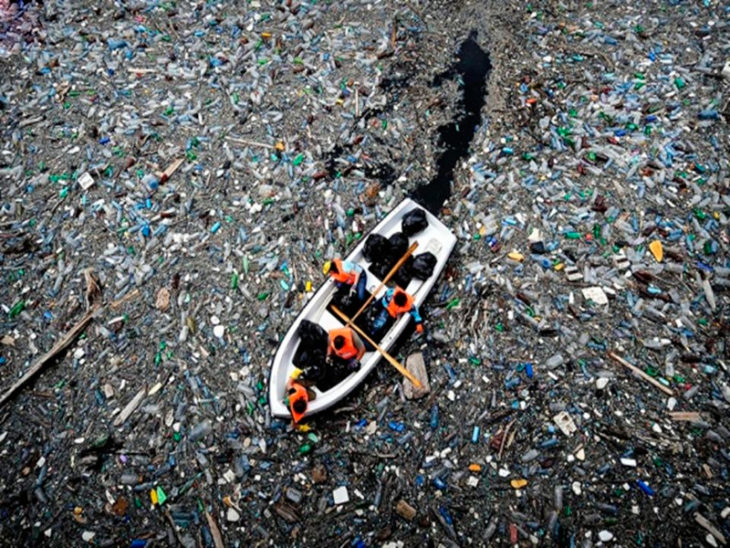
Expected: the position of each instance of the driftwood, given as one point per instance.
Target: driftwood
(59, 347)
(92, 298)
(640, 373)
(214, 531)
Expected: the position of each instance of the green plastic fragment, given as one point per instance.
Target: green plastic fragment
(262, 296)
(234, 280)
(16, 309)
(298, 160)
(161, 496)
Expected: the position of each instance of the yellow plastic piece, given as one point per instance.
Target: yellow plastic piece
(518, 483)
(279, 146)
(296, 373)
(326, 267)
(153, 496)
(303, 427)
(559, 267)
(475, 467)
(265, 35)
(656, 249)
(308, 286)
(515, 256)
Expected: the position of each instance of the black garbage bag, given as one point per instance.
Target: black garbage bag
(382, 263)
(423, 265)
(398, 247)
(380, 268)
(376, 246)
(414, 221)
(311, 354)
(404, 275)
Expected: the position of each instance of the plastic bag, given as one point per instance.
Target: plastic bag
(398, 247)
(423, 266)
(312, 351)
(376, 246)
(404, 275)
(414, 221)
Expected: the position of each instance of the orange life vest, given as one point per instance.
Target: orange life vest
(393, 309)
(353, 347)
(296, 393)
(341, 276)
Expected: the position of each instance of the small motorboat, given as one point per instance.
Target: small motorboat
(435, 239)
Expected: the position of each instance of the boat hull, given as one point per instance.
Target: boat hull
(436, 238)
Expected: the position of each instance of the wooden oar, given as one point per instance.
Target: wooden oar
(395, 363)
(387, 278)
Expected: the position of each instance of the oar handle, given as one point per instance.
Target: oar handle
(395, 363)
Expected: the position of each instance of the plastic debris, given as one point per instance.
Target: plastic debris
(340, 495)
(207, 158)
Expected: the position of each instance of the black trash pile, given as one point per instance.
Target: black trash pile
(384, 253)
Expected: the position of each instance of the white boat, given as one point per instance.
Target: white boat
(436, 238)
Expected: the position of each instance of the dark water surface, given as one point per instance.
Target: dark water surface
(473, 67)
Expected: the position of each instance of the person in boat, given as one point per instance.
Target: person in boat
(298, 400)
(396, 302)
(347, 274)
(346, 346)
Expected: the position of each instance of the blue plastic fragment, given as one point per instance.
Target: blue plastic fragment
(645, 487)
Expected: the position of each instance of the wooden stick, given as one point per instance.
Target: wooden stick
(387, 278)
(640, 373)
(248, 142)
(395, 363)
(214, 531)
(504, 438)
(685, 415)
(62, 343)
